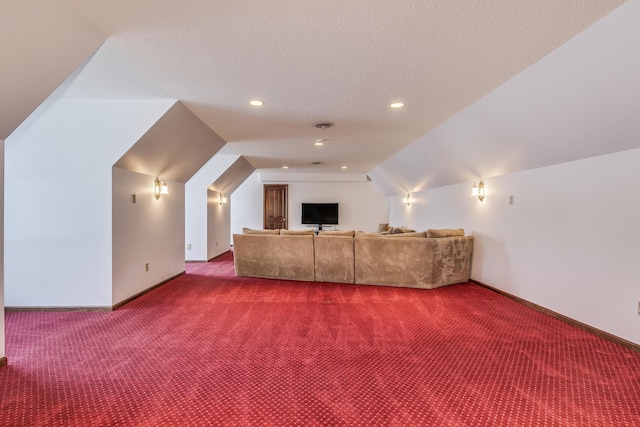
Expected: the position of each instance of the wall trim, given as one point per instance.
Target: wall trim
(17, 309)
(602, 334)
(149, 289)
(3, 362)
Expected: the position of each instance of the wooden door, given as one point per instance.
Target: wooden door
(275, 206)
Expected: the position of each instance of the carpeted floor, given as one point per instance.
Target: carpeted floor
(212, 349)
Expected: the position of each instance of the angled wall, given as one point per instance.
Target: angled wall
(145, 233)
(58, 193)
(218, 232)
(153, 231)
(42, 43)
(219, 214)
(197, 200)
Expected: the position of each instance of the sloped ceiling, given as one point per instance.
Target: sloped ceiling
(337, 61)
(582, 100)
(174, 148)
(41, 43)
(235, 175)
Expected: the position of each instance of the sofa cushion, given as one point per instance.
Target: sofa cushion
(409, 234)
(445, 232)
(366, 234)
(349, 233)
(252, 231)
(296, 232)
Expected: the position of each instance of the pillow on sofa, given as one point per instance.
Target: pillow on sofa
(445, 232)
(409, 234)
(349, 233)
(296, 232)
(382, 228)
(251, 231)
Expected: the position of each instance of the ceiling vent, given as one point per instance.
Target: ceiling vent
(323, 125)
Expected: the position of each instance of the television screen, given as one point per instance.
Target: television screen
(320, 213)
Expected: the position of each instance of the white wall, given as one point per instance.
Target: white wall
(198, 208)
(246, 209)
(148, 231)
(2, 353)
(362, 206)
(218, 225)
(568, 243)
(58, 243)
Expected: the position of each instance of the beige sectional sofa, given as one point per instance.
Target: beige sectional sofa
(417, 260)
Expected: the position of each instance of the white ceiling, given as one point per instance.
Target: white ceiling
(321, 60)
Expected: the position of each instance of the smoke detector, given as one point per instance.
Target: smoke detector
(323, 125)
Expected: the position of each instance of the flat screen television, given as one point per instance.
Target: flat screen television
(320, 213)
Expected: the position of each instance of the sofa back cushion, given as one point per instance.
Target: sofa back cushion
(408, 234)
(445, 232)
(296, 232)
(252, 231)
(349, 233)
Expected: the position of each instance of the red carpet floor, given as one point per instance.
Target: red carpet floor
(212, 349)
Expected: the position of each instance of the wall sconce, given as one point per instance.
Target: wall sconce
(160, 188)
(222, 199)
(407, 199)
(478, 190)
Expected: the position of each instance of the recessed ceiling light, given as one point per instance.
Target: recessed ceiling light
(256, 103)
(285, 167)
(396, 105)
(344, 167)
(319, 142)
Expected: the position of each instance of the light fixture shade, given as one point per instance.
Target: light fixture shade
(222, 199)
(160, 188)
(407, 199)
(164, 189)
(478, 190)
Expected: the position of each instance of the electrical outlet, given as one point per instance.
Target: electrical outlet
(146, 266)
(216, 243)
(188, 246)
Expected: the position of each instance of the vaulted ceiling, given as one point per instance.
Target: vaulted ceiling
(308, 60)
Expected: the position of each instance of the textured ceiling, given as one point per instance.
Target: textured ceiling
(321, 60)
